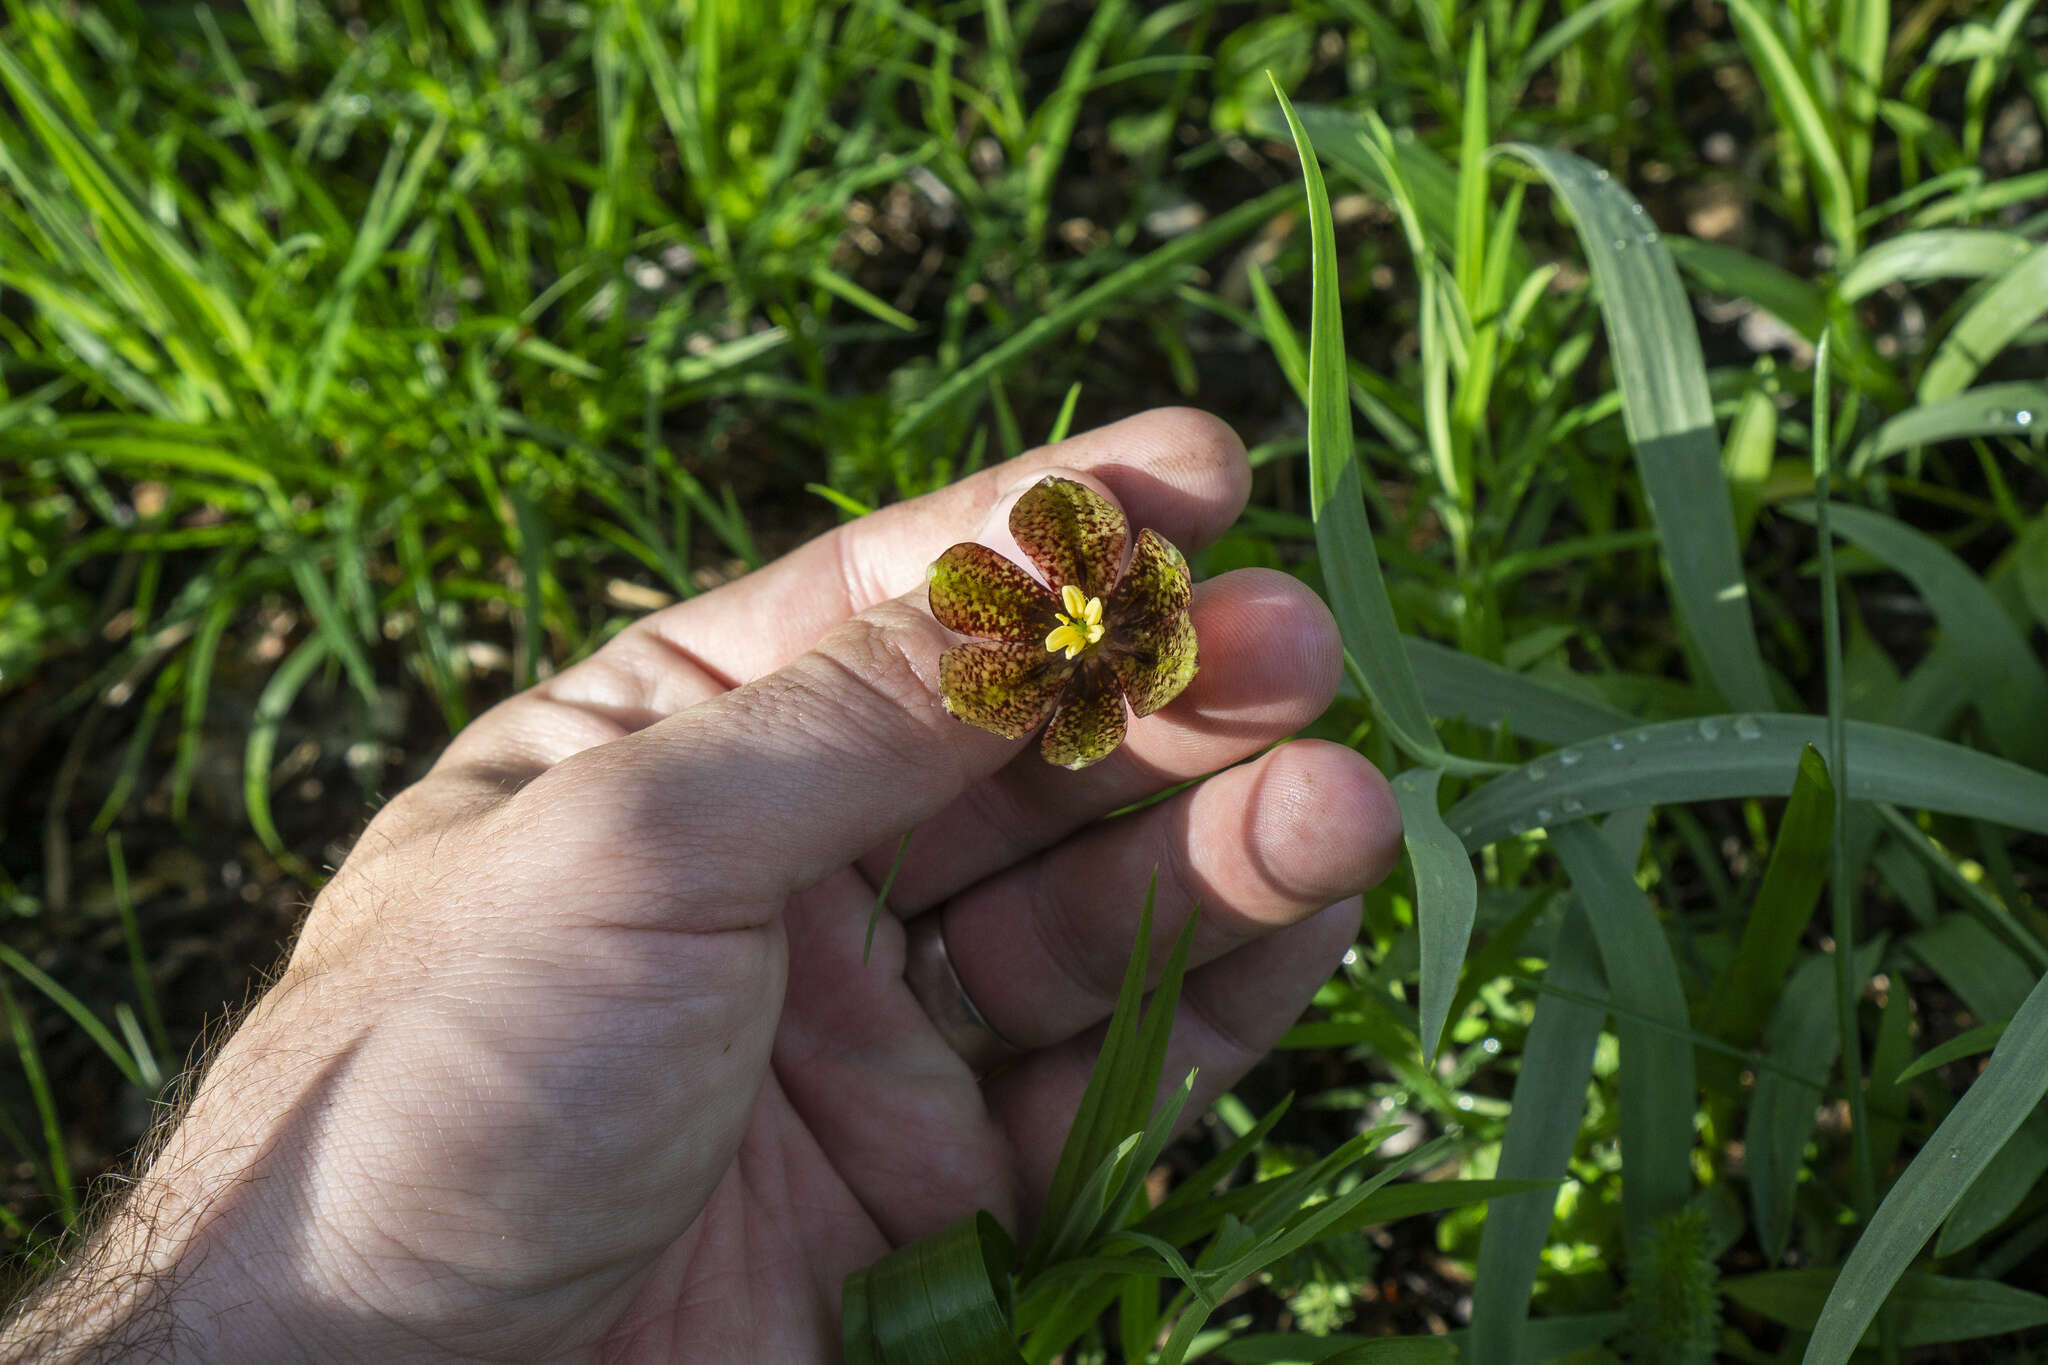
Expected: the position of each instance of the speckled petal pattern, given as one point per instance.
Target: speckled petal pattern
(1003, 686)
(1072, 533)
(1156, 585)
(1155, 664)
(976, 591)
(1089, 724)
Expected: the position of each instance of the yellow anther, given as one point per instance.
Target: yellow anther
(1080, 625)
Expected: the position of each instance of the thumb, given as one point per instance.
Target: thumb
(771, 787)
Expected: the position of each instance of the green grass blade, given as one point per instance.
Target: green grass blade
(1932, 254)
(2009, 688)
(1714, 757)
(2006, 1183)
(945, 1298)
(1932, 1309)
(1804, 1030)
(1464, 686)
(2008, 307)
(1658, 1092)
(1958, 1152)
(1669, 417)
(1144, 273)
(1542, 1128)
(2018, 408)
(1446, 898)
(276, 700)
(1969, 1043)
(1784, 904)
(1794, 99)
(1351, 570)
(38, 1079)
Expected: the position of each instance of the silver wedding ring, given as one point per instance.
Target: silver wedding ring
(928, 971)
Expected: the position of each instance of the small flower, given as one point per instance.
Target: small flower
(1075, 651)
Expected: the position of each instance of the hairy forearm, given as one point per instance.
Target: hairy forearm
(186, 1263)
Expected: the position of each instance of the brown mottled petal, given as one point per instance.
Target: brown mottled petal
(976, 591)
(1002, 685)
(1072, 533)
(1156, 585)
(1089, 724)
(1155, 662)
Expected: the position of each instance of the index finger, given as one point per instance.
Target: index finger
(1177, 470)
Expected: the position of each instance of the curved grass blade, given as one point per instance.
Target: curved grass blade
(1658, 1092)
(2009, 687)
(1932, 254)
(1351, 569)
(1973, 1133)
(2006, 1184)
(87, 1021)
(1754, 755)
(2011, 303)
(1669, 416)
(271, 707)
(1467, 687)
(2019, 408)
(1446, 898)
(1969, 1043)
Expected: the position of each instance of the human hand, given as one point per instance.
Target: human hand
(577, 1055)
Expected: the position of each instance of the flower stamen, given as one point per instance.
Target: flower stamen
(1080, 625)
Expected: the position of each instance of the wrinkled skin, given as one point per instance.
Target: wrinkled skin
(576, 1056)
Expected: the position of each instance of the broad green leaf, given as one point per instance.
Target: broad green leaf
(2008, 306)
(1742, 994)
(1446, 898)
(1351, 570)
(1714, 757)
(1958, 1152)
(1669, 417)
(1658, 1093)
(2008, 685)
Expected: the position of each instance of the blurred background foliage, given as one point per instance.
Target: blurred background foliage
(362, 362)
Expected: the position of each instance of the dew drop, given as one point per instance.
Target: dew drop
(1748, 727)
(1464, 831)
(1601, 175)
(1543, 815)
(1642, 736)
(1616, 743)
(1465, 1102)
(1567, 757)
(1709, 728)
(1536, 772)
(1955, 1154)
(2022, 418)
(1621, 244)
(1997, 417)
(1489, 1046)
(1574, 806)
